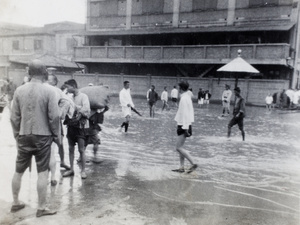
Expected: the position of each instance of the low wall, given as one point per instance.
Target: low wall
(253, 90)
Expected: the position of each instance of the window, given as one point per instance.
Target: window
(15, 45)
(205, 4)
(38, 44)
(71, 43)
(153, 6)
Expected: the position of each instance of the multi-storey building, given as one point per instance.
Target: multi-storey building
(53, 42)
(190, 37)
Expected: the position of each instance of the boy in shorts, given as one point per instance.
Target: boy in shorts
(92, 133)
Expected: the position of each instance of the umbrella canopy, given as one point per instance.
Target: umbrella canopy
(238, 65)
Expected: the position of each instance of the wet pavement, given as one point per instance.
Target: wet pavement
(251, 182)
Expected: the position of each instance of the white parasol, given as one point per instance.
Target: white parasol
(238, 65)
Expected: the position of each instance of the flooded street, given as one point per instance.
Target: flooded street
(251, 182)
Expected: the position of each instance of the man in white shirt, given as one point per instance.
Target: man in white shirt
(126, 104)
(174, 95)
(184, 119)
(226, 96)
(164, 98)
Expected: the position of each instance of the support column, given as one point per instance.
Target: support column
(128, 14)
(296, 18)
(176, 8)
(231, 12)
(88, 15)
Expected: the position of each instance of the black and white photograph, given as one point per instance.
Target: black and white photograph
(150, 112)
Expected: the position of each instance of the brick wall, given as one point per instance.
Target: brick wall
(254, 91)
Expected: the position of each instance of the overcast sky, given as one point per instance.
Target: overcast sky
(40, 12)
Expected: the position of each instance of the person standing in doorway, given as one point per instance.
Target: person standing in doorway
(164, 99)
(126, 104)
(239, 113)
(35, 122)
(226, 97)
(184, 118)
(174, 96)
(153, 97)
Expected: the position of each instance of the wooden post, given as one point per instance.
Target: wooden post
(231, 12)
(176, 8)
(128, 14)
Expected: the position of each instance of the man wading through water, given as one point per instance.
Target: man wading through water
(184, 119)
(126, 104)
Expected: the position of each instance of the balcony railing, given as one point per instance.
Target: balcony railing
(199, 54)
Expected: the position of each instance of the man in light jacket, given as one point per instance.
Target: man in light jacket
(35, 122)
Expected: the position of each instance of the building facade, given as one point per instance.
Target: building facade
(19, 44)
(191, 38)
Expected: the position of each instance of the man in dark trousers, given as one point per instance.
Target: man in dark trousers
(239, 113)
(153, 97)
(35, 122)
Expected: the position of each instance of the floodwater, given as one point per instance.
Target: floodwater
(252, 182)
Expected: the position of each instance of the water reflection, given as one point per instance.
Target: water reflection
(260, 173)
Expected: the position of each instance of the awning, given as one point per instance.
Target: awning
(272, 26)
(48, 60)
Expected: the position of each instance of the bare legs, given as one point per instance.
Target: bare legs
(16, 186)
(165, 105)
(81, 149)
(126, 123)
(41, 188)
(52, 165)
(152, 110)
(183, 154)
(241, 129)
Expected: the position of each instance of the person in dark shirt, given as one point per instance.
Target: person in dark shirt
(200, 97)
(153, 97)
(238, 113)
(92, 133)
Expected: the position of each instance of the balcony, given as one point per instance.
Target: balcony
(272, 54)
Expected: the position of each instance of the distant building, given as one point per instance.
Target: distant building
(190, 37)
(19, 44)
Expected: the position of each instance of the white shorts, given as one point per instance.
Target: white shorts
(126, 111)
(200, 101)
(206, 101)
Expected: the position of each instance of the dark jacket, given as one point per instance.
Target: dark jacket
(152, 96)
(201, 94)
